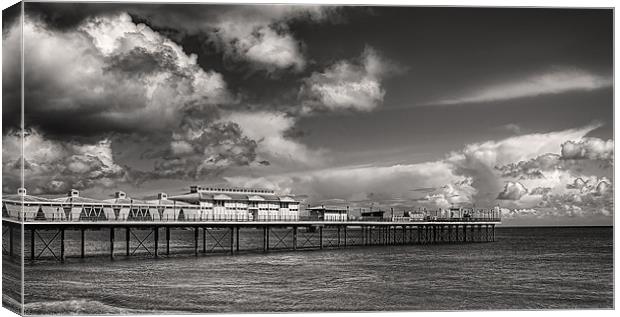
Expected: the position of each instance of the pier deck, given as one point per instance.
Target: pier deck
(46, 239)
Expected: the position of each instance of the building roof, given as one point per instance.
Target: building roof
(24, 198)
(196, 197)
(328, 209)
(79, 200)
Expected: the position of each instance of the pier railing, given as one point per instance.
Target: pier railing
(301, 219)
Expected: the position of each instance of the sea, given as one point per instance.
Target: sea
(526, 268)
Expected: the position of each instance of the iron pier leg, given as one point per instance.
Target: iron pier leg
(156, 238)
(196, 241)
(464, 233)
(32, 243)
(112, 243)
(294, 237)
(419, 233)
(127, 239)
(321, 237)
(338, 236)
(62, 244)
(264, 239)
(10, 240)
(204, 240)
(167, 240)
(363, 229)
(237, 239)
(82, 243)
(345, 236)
(232, 240)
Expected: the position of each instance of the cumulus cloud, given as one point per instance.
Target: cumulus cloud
(204, 150)
(352, 85)
(112, 78)
(260, 35)
(55, 167)
(114, 75)
(551, 82)
(589, 148)
(269, 130)
(456, 194)
(532, 168)
(512, 191)
(465, 177)
(584, 155)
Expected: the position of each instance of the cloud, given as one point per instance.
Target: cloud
(347, 85)
(269, 129)
(202, 150)
(52, 167)
(589, 148)
(384, 185)
(465, 177)
(577, 156)
(260, 35)
(112, 74)
(556, 81)
(532, 168)
(110, 78)
(512, 191)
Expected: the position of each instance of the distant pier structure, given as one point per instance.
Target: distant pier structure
(229, 220)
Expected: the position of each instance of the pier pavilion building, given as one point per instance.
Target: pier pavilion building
(241, 204)
(202, 203)
(328, 213)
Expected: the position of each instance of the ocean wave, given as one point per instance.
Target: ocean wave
(76, 307)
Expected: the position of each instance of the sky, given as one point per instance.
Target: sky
(390, 107)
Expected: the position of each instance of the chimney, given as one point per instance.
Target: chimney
(21, 191)
(74, 193)
(120, 195)
(162, 196)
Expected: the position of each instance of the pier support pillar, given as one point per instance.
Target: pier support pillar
(363, 231)
(345, 236)
(265, 238)
(82, 243)
(10, 239)
(112, 243)
(294, 237)
(167, 240)
(32, 232)
(237, 240)
(464, 233)
(62, 244)
(204, 239)
(196, 241)
(321, 237)
(232, 240)
(127, 239)
(419, 233)
(156, 240)
(338, 237)
(394, 241)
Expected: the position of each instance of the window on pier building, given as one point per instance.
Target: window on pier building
(283, 205)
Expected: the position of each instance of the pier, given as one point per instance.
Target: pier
(47, 239)
(214, 220)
